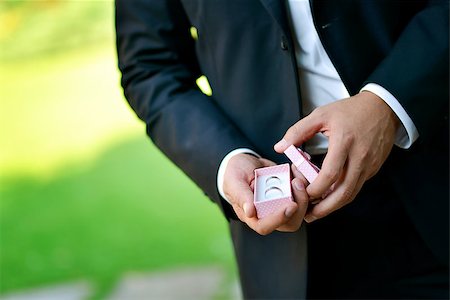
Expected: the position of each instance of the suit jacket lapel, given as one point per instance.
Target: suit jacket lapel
(277, 9)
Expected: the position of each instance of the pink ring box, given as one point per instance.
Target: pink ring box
(270, 194)
(272, 189)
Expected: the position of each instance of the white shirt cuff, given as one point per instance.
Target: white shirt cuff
(223, 167)
(407, 134)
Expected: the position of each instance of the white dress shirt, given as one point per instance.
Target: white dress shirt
(321, 84)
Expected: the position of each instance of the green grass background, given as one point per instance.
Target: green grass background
(83, 192)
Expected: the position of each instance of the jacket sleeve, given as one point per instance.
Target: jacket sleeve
(156, 55)
(416, 71)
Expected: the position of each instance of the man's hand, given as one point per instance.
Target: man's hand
(238, 187)
(361, 131)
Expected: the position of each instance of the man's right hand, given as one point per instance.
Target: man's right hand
(238, 188)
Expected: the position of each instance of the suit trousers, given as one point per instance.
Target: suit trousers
(368, 249)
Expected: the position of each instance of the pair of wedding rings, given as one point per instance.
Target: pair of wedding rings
(272, 189)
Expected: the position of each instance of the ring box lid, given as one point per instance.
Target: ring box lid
(301, 160)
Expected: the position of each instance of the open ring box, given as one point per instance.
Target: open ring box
(272, 189)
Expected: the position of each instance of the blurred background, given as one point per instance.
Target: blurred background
(88, 206)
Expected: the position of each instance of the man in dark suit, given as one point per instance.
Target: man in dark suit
(383, 231)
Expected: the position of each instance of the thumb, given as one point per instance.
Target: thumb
(300, 132)
(244, 199)
(300, 195)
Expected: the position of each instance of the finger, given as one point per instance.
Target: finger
(299, 193)
(241, 195)
(270, 222)
(342, 195)
(332, 167)
(267, 163)
(248, 204)
(301, 197)
(251, 222)
(299, 175)
(359, 186)
(239, 212)
(305, 182)
(273, 221)
(300, 132)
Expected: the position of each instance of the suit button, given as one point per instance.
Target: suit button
(284, 43)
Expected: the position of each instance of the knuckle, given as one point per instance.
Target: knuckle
(296, 227)
(293, 131)
(330, 175)
(346, 195)
(365, 153)
(290, 229)
(321, 214)
(302, 199)
(319, 112)
(229, 196)
(348, 138)
(373, 167)
(262, 231)
(238, 212)
(360, 168)
(241, 218)
(374, 170)
(313, 194)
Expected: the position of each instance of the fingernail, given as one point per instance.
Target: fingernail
(281, 144)
(310, 218)
(290, 211)
(245, 208)
(298, 185)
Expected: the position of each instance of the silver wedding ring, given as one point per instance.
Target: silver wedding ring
(273, 192)
(273, 180)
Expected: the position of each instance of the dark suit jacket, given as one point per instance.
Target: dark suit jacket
(245, 49)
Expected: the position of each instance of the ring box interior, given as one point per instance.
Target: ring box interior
(272, 189)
